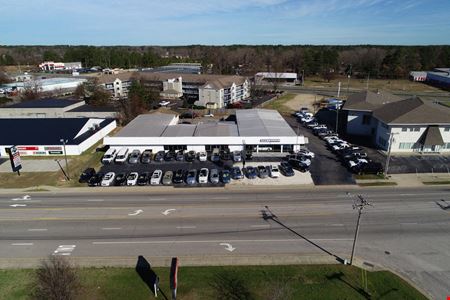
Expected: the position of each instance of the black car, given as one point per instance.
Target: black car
(250, 172)
(159, 156)
(170, 156)
(286, 169)
(143, 178)
(86, 175)
(146, 157)
(369, 168)
(225, 176)
(178, 176)
(225, 155)
(96, 179)
(180, 155)
(121, 179)
(248, 154)
(190, 156)
(236, 173)
(298, 165)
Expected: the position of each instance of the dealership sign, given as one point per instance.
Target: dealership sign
(269, 140)
(14, 157)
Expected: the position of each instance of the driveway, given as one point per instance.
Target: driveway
(326, 169)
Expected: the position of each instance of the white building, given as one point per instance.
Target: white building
(117, 84)
(412, 125)
(256, 129)
(281, 77)
(48, 66)
(172, 88)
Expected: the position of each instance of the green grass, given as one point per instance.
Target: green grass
(298, 282)
(436, 182)
(382, 183)
(278, 104)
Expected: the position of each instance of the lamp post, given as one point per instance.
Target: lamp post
(388, 158)
(64, 141)
(359, 205)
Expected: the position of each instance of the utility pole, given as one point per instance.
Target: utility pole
(388, 158)
(64, 141)
(359, 205)
(368, 78)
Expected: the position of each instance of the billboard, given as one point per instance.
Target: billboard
(14, 157)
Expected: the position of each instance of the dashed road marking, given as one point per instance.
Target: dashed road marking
(260, 226)
(22, 244)
(186, 227)
(37, 229)
(111, 228)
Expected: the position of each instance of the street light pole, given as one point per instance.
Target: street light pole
(388, 158)
(359, 205)
(64, 141)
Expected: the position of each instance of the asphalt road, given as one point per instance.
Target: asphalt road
(405, 230)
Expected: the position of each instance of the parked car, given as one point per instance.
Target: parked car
(108, 179)
(109, 156)
(286, 169)
(86, 175)
(121, 179)
(156, 177)
(180, 155)
(190, 156)
(167, 178)
(318, 127)
(146, 156)
(178, 176)
(169, 156)
(262, 172)
(250, 172)
(225, 155)
(134, 157)
(237, 156)
(143, 178)
(306, 153)
(274, 172)
(356, 163)
(159, 157)
(215, 155)
(311, 124)
(132, 178)
(298, 165)
(96, 179)
(236, 173)
(191, 177)
(203, 175)
(369, 168)
(225, 176)
(202, 156)
(214, 176)
(121, 156)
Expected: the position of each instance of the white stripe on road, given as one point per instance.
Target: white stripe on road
(37, 229)
(95, 200)
(111, 228)
(157, 199)
(337, 224)
(219, 241)
(259, 226)
(186, 227)
(220, 198)
(283, 197)
(22, 244)
(412, 223)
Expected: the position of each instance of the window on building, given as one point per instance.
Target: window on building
(447, 129)
(416, 129)
(406, 145)
(404, 129)
(366, 120)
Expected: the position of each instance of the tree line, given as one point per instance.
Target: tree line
(376, 61)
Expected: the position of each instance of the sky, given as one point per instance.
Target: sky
(216, 22)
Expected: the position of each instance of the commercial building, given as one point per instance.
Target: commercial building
(439, 77)
(405, 125)
(258, 130)
(55, 108)
(270, 77)
(57, 84)
(49, 66)
(40, 137)
(179, 68)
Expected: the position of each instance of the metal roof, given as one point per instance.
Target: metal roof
(262, 122)
(217, 129)
(45, 103)
(149, 125)
(179, 130)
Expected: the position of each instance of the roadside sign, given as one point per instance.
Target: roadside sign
(174, 277)
(14, 157)
(147, 275)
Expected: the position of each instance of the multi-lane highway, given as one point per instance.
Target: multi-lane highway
(405, 230)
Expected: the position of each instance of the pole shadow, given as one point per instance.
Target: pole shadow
(339, 276)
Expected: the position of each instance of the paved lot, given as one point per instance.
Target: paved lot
(33, 165)
(326, 169)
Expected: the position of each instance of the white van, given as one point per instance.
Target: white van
(109, 156)
(122, 156)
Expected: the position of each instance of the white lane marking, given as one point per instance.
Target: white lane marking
(37, 229)
(283, 197)
(136, 212)
(410, 223)
(26, 197)
(111, 228)
(95, 200)
(220, 198)
(337, 224)
(228, 247)
(168, 211)
(260, 226)
(158, 199)
(218, 241)
(22, 244)
(64, 250)
(407, 194)
(18, 205)
(186, 227)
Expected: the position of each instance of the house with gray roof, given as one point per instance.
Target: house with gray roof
(405, 125)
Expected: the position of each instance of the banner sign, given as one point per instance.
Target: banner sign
(55, 152)
(174, 277)
(14, 157)
(57, 148)
(269, 140)
(28, 148)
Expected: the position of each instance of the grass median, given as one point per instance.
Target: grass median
(250, 282)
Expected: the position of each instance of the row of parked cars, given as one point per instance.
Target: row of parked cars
(147, 156)
(181, 176)
(352, 156)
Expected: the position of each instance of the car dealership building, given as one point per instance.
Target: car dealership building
(259, 130)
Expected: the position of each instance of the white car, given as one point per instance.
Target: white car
(203, 175)
(306, 152)
(357, 162)
(2, 91)
(209, 115)
(202, 156)
(156, 177)
(164, 103)
(132, 178)
(274, 172)
(108, 179)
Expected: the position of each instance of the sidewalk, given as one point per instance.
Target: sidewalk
(412, 180)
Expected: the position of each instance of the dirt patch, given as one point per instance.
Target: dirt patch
(303, 100)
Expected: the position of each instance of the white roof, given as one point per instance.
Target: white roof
(277, 75)
(262, 122)
(147, 125)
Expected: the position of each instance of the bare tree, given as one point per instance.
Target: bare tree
(56, 279)
(32, 92)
